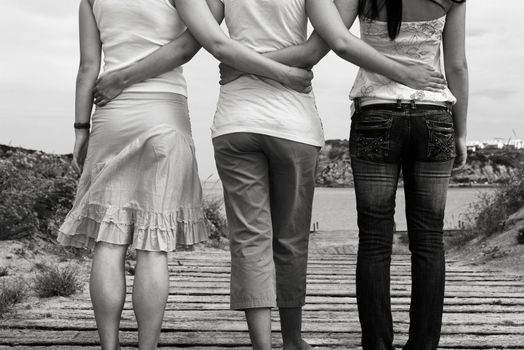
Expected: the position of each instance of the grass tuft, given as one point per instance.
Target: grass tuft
(4, 271)
(57, 281)
(11, 293)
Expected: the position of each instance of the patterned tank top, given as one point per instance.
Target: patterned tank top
(418, 42)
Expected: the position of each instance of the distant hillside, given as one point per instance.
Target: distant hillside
(37, 190)
(484, 167)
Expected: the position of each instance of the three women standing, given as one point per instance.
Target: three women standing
(266, 138)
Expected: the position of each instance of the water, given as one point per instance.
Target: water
(335, 208)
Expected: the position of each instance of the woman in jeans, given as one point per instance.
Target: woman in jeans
(419, 133)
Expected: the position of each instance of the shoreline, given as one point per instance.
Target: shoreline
(452, 185)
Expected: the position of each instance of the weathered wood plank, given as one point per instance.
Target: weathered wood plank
(327, 326)
(327, 316)
(214, 338)
(484, 309)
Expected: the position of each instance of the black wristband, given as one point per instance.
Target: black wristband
(82, 125)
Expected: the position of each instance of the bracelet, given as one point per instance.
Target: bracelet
(82, 125)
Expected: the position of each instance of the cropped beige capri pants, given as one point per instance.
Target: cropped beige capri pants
(268, 189)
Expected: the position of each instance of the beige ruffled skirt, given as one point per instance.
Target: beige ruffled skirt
(140, 183)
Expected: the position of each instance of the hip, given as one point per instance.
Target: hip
(390, 132)
(139, 111)
(129, 116)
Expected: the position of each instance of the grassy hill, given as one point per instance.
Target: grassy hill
(37, 189)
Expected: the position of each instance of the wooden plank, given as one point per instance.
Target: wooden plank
(207, 316)
(214, 338)
(401, 327)
(484, 309)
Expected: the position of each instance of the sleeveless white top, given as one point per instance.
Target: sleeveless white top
(259, 105)
(131, 30)
(417, 42)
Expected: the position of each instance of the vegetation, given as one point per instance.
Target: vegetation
(4, 271)
(214, 212)
(213, 209)
(38, 190)
(487, 216)
(11, 292)
(57, 281)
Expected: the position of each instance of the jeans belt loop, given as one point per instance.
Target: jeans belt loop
(356, 103)
(413, 105)
(399, 104)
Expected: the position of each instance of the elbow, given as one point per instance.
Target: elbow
(457, 67)
(313, 58)
(88, 68)
(188, 53)
(87, 73)
(219, 49)
(341, 46)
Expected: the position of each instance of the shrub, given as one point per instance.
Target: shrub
(37, 191)
(4, 271)
(56, 281)
(487, 215)
(11, 293)
(215, 216)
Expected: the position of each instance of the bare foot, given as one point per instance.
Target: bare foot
(302, 346)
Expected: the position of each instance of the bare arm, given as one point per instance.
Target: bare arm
(88, 70)
(305, 55)
(201, 19)
(164, 59)
(456, 67)
(332, 20)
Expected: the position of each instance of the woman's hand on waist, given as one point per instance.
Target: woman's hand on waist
(108, 86)
(228, 74)
(299, 80)
(420, 76)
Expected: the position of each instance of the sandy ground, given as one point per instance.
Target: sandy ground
(500, 251)
(21, 260)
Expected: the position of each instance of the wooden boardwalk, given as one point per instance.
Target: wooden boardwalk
(484, 309)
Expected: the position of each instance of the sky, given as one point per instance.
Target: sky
(39, 61)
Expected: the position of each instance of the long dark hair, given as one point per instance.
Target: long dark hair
(371, 9)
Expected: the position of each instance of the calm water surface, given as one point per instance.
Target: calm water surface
(335, 208)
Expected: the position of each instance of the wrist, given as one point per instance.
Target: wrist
(402, 74)
(122, 78)
(81, 133)
(286, 76)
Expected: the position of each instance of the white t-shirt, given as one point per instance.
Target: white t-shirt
(131, 30)
(259, 105)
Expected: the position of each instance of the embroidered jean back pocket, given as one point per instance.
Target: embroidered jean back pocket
(441, 140)
(370, 136)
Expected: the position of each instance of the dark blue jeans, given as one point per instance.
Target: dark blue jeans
(420, 142)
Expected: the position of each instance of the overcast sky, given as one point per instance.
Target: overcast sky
(39, 59)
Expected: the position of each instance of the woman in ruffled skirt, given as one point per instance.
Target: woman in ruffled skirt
(139, 186)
